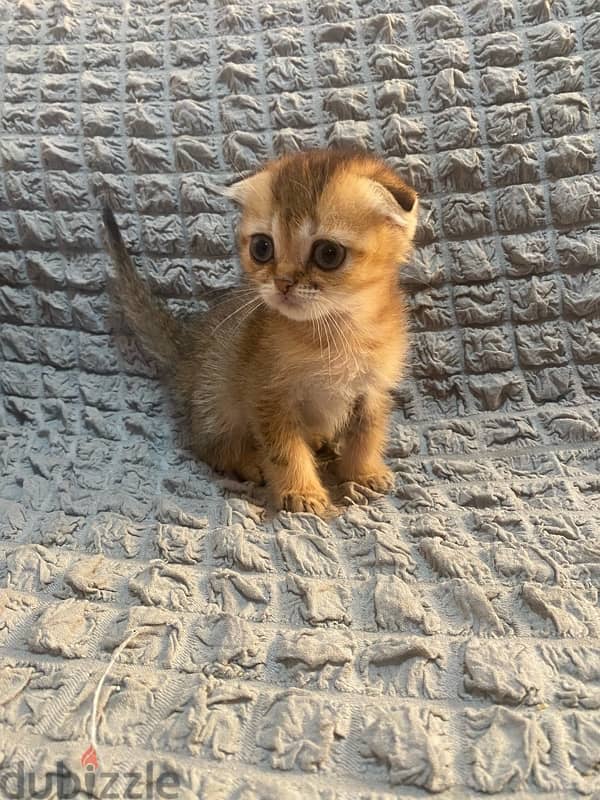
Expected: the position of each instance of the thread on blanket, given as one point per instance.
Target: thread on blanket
(116, 653)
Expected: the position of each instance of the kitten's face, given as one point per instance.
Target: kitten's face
(322, 232)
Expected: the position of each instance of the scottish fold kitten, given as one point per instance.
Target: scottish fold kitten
(306, 352)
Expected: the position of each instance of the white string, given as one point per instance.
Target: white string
(116, 653)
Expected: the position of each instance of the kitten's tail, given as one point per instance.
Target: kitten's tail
(159, 333)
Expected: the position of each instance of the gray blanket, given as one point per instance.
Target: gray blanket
(152, 618)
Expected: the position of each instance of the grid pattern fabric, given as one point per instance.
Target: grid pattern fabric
(445, 639)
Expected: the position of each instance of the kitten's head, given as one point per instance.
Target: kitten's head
(324, 231)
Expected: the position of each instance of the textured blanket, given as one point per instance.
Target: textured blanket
(153, 620)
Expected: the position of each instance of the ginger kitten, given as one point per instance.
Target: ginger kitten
(306, 353)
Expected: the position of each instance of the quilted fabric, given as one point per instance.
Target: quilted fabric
(443, 639)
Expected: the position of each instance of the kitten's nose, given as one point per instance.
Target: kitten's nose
(283, 283)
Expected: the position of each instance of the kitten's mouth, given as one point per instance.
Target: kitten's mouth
(290, 300)
(290, 305)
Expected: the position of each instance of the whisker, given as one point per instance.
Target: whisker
(315, 324)
(233, 313)
(328, 337)
(205, 292)
(230, 298)
(347, 349)
(248, 314)
(232, 332)
(239, 287)
(319, 321)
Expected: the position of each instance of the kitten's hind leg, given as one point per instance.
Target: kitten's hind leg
(248, 467)
(230, 454)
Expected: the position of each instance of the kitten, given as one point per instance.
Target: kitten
(306, 353)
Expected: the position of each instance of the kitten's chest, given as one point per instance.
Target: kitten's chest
(328, 392)
(327, 403)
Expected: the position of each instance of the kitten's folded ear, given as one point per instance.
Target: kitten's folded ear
(403, 194)
(396, 200)
(253, 187)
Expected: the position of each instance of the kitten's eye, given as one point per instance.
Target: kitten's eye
(328, 255)
(261, 248)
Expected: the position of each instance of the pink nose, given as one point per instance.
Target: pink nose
(283, 283)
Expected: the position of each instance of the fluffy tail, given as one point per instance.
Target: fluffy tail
(159, 333)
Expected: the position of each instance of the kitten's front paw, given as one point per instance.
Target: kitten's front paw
(365, 486)
(378, 478)
(315, 502)
(381, 481)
